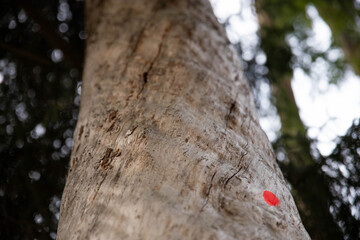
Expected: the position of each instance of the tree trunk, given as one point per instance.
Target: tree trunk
(168, 145)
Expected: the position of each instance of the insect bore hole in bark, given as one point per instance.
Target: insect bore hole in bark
(145, 76)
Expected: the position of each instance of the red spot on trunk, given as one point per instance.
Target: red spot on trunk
(270, 198)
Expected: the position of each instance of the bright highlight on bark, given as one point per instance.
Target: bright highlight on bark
(270, 198)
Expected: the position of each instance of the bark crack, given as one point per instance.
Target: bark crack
(145, 76)
(130, 131)
(140, 35)
(229, 116)
(208, 192)
(238, 168)
(147, 72)
(97, 190)
(81, 131)
(105, 162)
(211, 184)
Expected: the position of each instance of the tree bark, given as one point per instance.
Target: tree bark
(168, 144)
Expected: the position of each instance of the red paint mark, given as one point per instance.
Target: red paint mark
(270, 198)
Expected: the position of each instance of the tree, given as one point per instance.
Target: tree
(313, 192)
(309, 187)
(345, 181)
(168, 144)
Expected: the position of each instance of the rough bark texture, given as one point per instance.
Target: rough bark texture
(168, 145)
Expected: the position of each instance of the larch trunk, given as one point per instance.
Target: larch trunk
(168, 145)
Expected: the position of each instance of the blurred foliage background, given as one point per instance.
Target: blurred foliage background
(41, 56)
(41, 52)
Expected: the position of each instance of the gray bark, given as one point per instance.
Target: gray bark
(168, 145)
